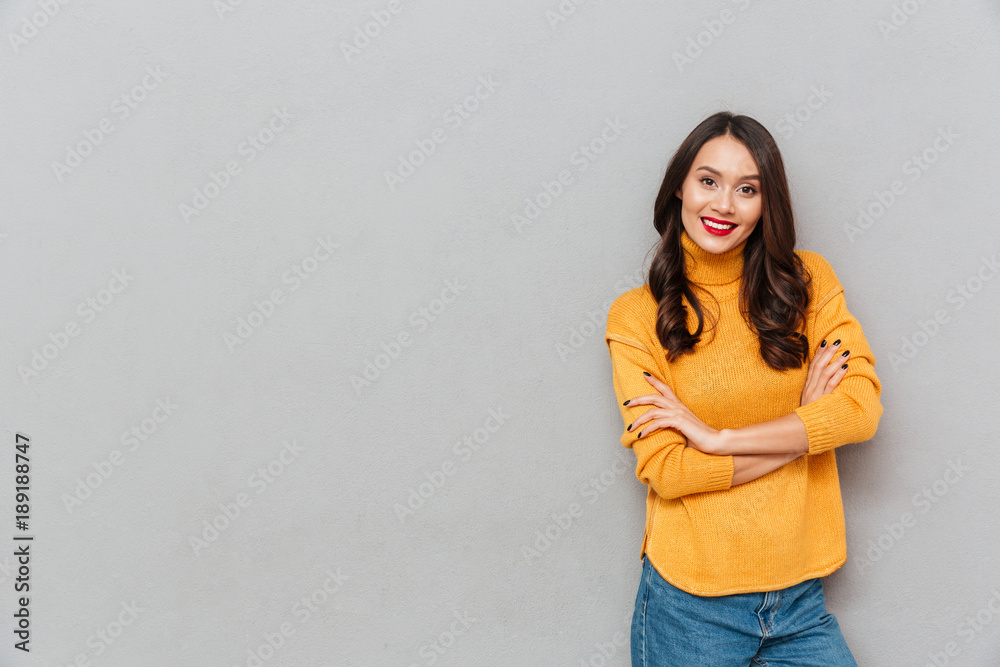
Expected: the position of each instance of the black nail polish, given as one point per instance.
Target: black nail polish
(629, 428)
(823, 344)
(646, 374)
(627, 402)
(844, 366)
(836, 342)
(846, 352)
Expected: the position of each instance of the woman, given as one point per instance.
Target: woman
(733, 431)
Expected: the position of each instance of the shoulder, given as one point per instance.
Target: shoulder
(632, 315)
(632, 302)
(823, 281)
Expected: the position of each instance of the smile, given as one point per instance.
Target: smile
(717, 227)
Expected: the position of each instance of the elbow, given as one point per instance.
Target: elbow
(865, 408)
(874, 412)
(874, 417)
(868, 418)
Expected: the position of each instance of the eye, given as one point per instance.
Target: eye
(751, 188)
(706, 178)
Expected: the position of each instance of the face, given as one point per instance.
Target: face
(722, 187)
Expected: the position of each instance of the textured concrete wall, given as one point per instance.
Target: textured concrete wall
(304, 305)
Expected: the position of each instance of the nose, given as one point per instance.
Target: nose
(723, 202)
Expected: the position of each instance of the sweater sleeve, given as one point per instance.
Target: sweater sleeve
(664, 460)
(851, 412)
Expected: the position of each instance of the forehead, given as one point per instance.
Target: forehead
(725, 155)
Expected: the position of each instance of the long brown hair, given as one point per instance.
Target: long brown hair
(774, 292)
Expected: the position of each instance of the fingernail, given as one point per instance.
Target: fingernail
(846, 352)
(844, 366)
(627, 402)
(836, 342)
(629, 428)
(646, 374)
(823, 344)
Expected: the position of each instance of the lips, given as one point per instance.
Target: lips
(717, 227)
(722, 223)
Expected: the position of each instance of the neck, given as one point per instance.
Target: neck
(707, 268)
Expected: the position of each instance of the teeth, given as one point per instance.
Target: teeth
(715, 225)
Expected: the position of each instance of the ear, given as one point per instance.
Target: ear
(678, 194)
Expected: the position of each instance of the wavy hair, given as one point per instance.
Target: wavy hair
(774, 291)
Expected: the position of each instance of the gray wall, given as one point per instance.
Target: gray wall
(278, 340)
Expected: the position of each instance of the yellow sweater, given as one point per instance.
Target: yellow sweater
(702, 534)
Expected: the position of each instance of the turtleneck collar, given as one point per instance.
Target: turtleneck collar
(708, 268)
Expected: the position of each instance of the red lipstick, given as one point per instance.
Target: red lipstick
(715, 230)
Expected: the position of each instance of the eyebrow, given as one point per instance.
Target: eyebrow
(750, 177)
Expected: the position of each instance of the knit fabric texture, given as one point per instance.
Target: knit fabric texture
(702, 534)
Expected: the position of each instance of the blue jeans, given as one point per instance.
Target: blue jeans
(787, 628)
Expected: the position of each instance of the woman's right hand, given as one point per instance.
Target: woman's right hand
(824, 376)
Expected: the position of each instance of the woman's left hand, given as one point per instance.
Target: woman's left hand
(670, 412)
